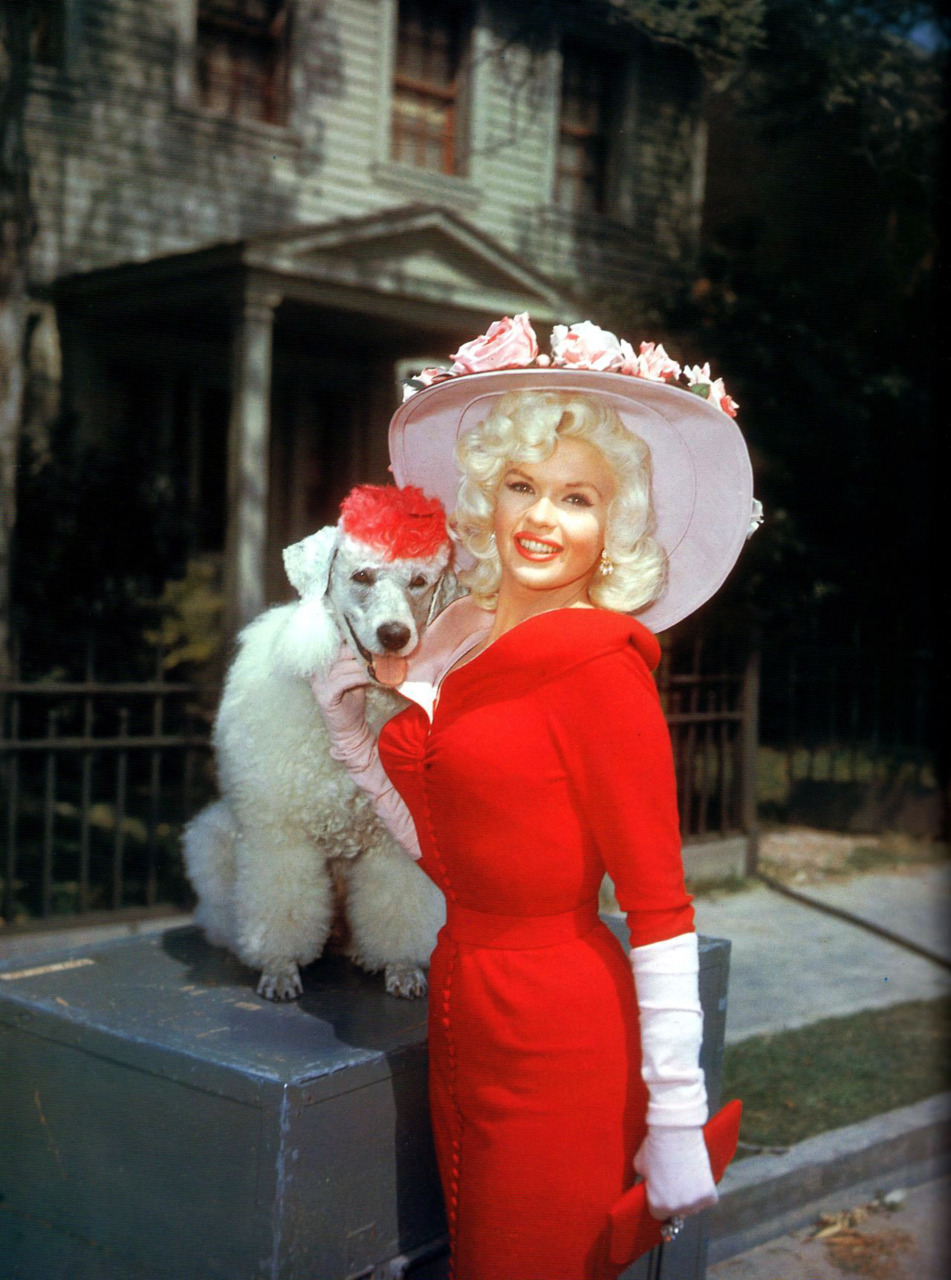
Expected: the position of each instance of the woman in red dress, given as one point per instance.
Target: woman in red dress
(534, 760)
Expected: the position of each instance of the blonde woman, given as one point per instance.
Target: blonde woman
(535, 759)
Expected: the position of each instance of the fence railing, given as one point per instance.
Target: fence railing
(712, 721)
(850, 715)
(98, 777)
(96, 780)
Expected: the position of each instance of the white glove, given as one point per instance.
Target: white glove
(676, 1167)
(341, 697)
(673, 1158)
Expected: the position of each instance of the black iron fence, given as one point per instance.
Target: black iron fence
(849, 739)
(96, 779)
(850, 715)
(98, 776)
(711, 712)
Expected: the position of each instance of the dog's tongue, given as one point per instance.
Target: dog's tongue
(390, 669)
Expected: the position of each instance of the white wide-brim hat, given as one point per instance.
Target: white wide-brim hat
(702, 481)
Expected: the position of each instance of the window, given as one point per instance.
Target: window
(587, 79)
(430, 42)
(242, 58)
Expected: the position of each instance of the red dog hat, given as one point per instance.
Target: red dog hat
(702, 483)
(401, 524)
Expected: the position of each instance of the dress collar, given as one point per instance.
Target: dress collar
(544, 644)
(458, 629)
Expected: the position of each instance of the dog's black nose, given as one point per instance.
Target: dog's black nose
(392, 635)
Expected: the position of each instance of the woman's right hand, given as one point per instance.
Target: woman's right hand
(341, 697)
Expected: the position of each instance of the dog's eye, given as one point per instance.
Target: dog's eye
(364, 577)
(418, 581)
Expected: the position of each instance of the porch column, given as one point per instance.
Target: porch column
(248, 458)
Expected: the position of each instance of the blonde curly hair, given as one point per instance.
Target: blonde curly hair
(525, 426)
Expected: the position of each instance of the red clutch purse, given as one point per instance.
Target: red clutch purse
(633, 1229)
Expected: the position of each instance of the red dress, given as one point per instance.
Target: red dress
(547, 762)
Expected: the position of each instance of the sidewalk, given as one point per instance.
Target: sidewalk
(791, 965)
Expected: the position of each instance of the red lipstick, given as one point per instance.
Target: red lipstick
(536, 556)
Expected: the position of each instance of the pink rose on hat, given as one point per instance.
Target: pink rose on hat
(701, 383)
(718, 395)
(652, 363)
(509, 343)
(585, 346)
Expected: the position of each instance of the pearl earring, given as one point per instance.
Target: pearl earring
(605, 564)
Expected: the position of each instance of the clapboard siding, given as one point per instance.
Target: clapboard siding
(126, 167)
(127, 44)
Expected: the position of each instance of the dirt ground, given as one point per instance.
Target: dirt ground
(801, 855)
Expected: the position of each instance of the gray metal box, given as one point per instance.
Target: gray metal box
(158, 1121)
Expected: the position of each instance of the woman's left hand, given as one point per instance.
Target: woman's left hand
(676, 1167)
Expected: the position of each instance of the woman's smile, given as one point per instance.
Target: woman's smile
(533, 548)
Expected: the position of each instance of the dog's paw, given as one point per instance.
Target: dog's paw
(281, 984)
(406, 980)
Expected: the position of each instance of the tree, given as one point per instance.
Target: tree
(819, 299)
(720, 33)
(17, 227)
(817, 296)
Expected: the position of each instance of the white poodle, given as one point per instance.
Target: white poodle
(268, 860)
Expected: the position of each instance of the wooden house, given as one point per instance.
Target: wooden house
(255, 215)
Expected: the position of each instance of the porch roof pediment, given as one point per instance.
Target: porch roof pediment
(414, 262)
(419, 252)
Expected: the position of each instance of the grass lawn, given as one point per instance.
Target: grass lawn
(795, 1084)
(776, 769)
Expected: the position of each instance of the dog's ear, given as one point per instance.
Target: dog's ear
(448, 588)
(307, 563)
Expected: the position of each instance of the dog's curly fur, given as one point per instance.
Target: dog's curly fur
(263, 859)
